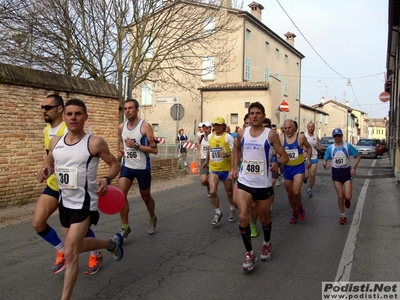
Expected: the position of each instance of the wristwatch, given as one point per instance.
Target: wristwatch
(137, 145)
(108, 179)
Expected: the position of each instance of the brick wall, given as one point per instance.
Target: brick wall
(21, 127)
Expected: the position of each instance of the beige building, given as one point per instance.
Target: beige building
(319, 117)
(361, 124)
(377, 128)
(340, 116)
(266, 68)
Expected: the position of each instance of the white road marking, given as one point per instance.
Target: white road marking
(346, 262)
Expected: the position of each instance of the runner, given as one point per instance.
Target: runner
(254, 179)
(203, 150)
(342, 173)
(315, 143)
(74, 159)
(136, 143)
(293, 171)
(219, 163)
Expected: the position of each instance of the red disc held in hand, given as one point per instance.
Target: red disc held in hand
(112, 202)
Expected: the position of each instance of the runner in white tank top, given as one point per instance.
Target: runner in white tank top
(315, 143)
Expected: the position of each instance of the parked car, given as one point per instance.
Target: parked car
(325, 142)
(367, 148)
(381, 147)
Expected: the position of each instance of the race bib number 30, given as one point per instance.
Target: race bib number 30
(67, 177)
(253, 167)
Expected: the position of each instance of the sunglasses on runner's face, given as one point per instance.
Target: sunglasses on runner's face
(48, 107)
(338, 135)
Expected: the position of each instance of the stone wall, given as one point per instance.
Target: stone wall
(21, 127)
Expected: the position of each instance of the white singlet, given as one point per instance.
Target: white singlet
(313, 141)
(204, 145)
(254, 171)
(76, 171)
(134, 158)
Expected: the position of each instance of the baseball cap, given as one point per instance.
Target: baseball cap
(207, 124)
(337, 131)
(219, 120)
(200, 124)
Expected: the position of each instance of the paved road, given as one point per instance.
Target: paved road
(188, 259)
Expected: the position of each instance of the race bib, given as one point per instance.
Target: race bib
(205, 148)
(215, 154)
(67, 177)
(340, 161)
(253, 167)
(292, 153)
(132, 154)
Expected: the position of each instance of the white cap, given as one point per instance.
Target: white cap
(207, 124)
(200, 125)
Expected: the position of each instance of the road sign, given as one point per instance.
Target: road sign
(284, 106)
(177, 112)
(384, 96)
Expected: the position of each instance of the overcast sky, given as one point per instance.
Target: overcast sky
(350, 35)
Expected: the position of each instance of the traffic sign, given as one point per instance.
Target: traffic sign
(284, 106)
(177, 112)
(384, 96)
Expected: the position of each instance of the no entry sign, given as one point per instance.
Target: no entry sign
(284, 106)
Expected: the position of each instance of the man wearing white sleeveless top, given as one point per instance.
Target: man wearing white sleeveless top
(136, 143)
(255, 179)
(315, 143)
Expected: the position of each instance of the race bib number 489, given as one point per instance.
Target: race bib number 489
(253, 167)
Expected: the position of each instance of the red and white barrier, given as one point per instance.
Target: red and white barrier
(161, 140)
(189, 145)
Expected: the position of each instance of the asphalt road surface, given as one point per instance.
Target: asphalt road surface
(189, 259)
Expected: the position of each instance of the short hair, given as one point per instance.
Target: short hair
(58, 100)
(77, 102)
(267, 122)
(245, 117)
(295, 124)
(134, 101)
(258, 105)
(180, 130)
(273, 125)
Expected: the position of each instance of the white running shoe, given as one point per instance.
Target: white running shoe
(249, 261)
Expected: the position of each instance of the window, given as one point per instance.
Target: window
(248, 33)
(209, 25)
(286, 59)
(147, 91)
(266, 47)
(276, 75)
(247, 69)
(297, 91)
(155, 127)
(285, 86)
(148, 48)
(234, 119)
(277, 53)
(246, 104)
(266, 74)
(326, 119)
(208, 68)
(320, 118)
(298, 66)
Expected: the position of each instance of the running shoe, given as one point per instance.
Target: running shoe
(277, 182)
(152, 226)
(59, 264)
(253, 228)
(309, 193)
(347, 203)
(94, 263)
(266, 252)
(185, 164)
(343, 220)
(302, 213)
(118, 251)
(217, 219)
(249, 261)
(208, 192)
(293, 219)
(232, 215)
(125, 232)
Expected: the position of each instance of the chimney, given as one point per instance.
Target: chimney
(290, 38)
(226, 3)
(256, 9)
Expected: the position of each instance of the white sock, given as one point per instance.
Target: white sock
(60, 247)
(217, 211)
(231, 207)
(343, 215)
(95, 252)
(265, 243)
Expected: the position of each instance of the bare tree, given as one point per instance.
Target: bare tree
(150, 41)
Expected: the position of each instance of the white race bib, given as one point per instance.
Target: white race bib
(292, 153)
(131, 154)
(254, 167)
(215, 154)
(339, 161)
(67, 177)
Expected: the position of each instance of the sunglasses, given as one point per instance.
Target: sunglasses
(338, 135)
(48, 107)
